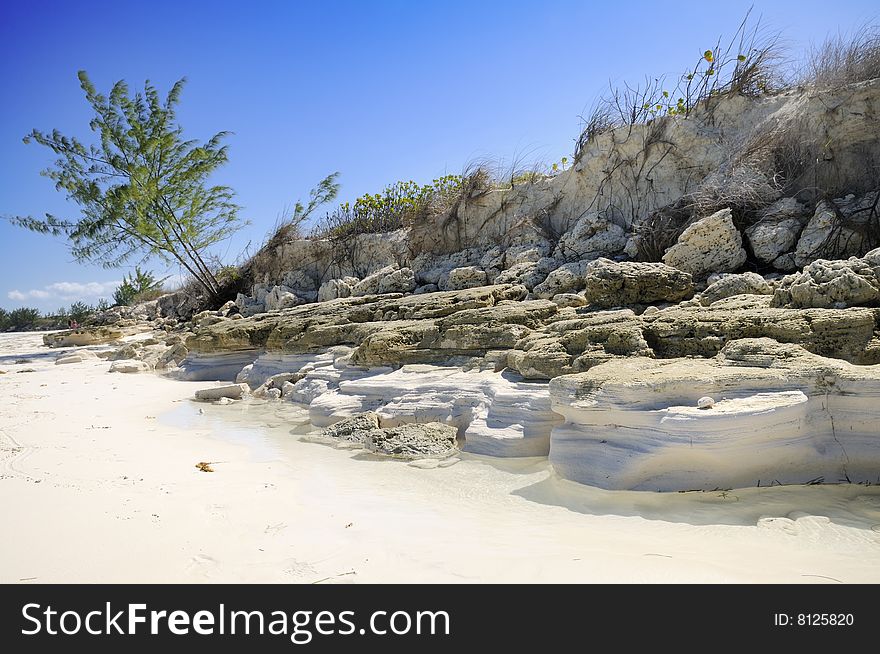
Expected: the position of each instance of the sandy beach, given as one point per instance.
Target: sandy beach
(98, 483)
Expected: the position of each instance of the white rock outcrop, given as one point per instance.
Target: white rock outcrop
(494, 412)
(281, 297)
(336, 288)
(710, 245)
(839, 229)
(391, 279)
(781, 415)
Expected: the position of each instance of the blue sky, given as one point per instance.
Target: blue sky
(378, 91)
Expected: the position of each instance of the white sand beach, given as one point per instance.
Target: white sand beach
(98, 483)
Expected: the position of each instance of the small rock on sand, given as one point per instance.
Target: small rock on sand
(232, 391)
(129, 366)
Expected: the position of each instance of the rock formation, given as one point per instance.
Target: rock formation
(546, 318)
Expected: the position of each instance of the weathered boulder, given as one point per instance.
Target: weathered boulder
(563, 300)
(248, 306)
(180, 305)
(832, 284)
(612, 284)
(69, 358)
(463, 277)
(83, 336)
(414, 441)
(336, 288)
(593, 235)
(356, 428)
(527, 273)
(398, 281)
(127, 351)
(567, 278)
(281, 297)
(129, 366)
(729, 285)
(839, 229)
(391, 279)
(711, 244)
(777, 230)
(407, 441)
(232, 391)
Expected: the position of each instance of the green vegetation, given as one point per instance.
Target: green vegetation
(18, 320)
(138, 286)
(143, 189)
(30, 319)
(398, 205)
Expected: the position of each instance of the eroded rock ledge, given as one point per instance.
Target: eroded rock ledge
(781, 416)
(793, 388)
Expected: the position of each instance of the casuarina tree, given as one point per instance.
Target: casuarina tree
(143, 189)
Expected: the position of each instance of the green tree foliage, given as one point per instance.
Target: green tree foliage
(79, 311)
(143, 189)
(135, 286)
(22, 319)
(326, 191)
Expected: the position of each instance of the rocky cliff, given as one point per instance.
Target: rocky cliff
(692, 305)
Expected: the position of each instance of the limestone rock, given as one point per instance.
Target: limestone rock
(398, 281)
(527, 273)
(70, 358)
(636, 423)
(832, 284)
(355, 428)
(127, 351)
(180, 305)
(567, 278)
(391, 279)
(711, 244)
(593, 235)
(83, 336)
(745, 284)
(281, 297)
(569, 300)
(336, 288)
(610, 284)
(173, 356)
(129, 366)
(407, 441)
(777, 229)
(839, 229)
(461, 278)
(232, 391)
(414, 441)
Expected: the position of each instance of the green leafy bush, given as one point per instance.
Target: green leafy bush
(397, 206)
(139, 286)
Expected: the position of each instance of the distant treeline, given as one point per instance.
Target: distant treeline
(27, 319)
